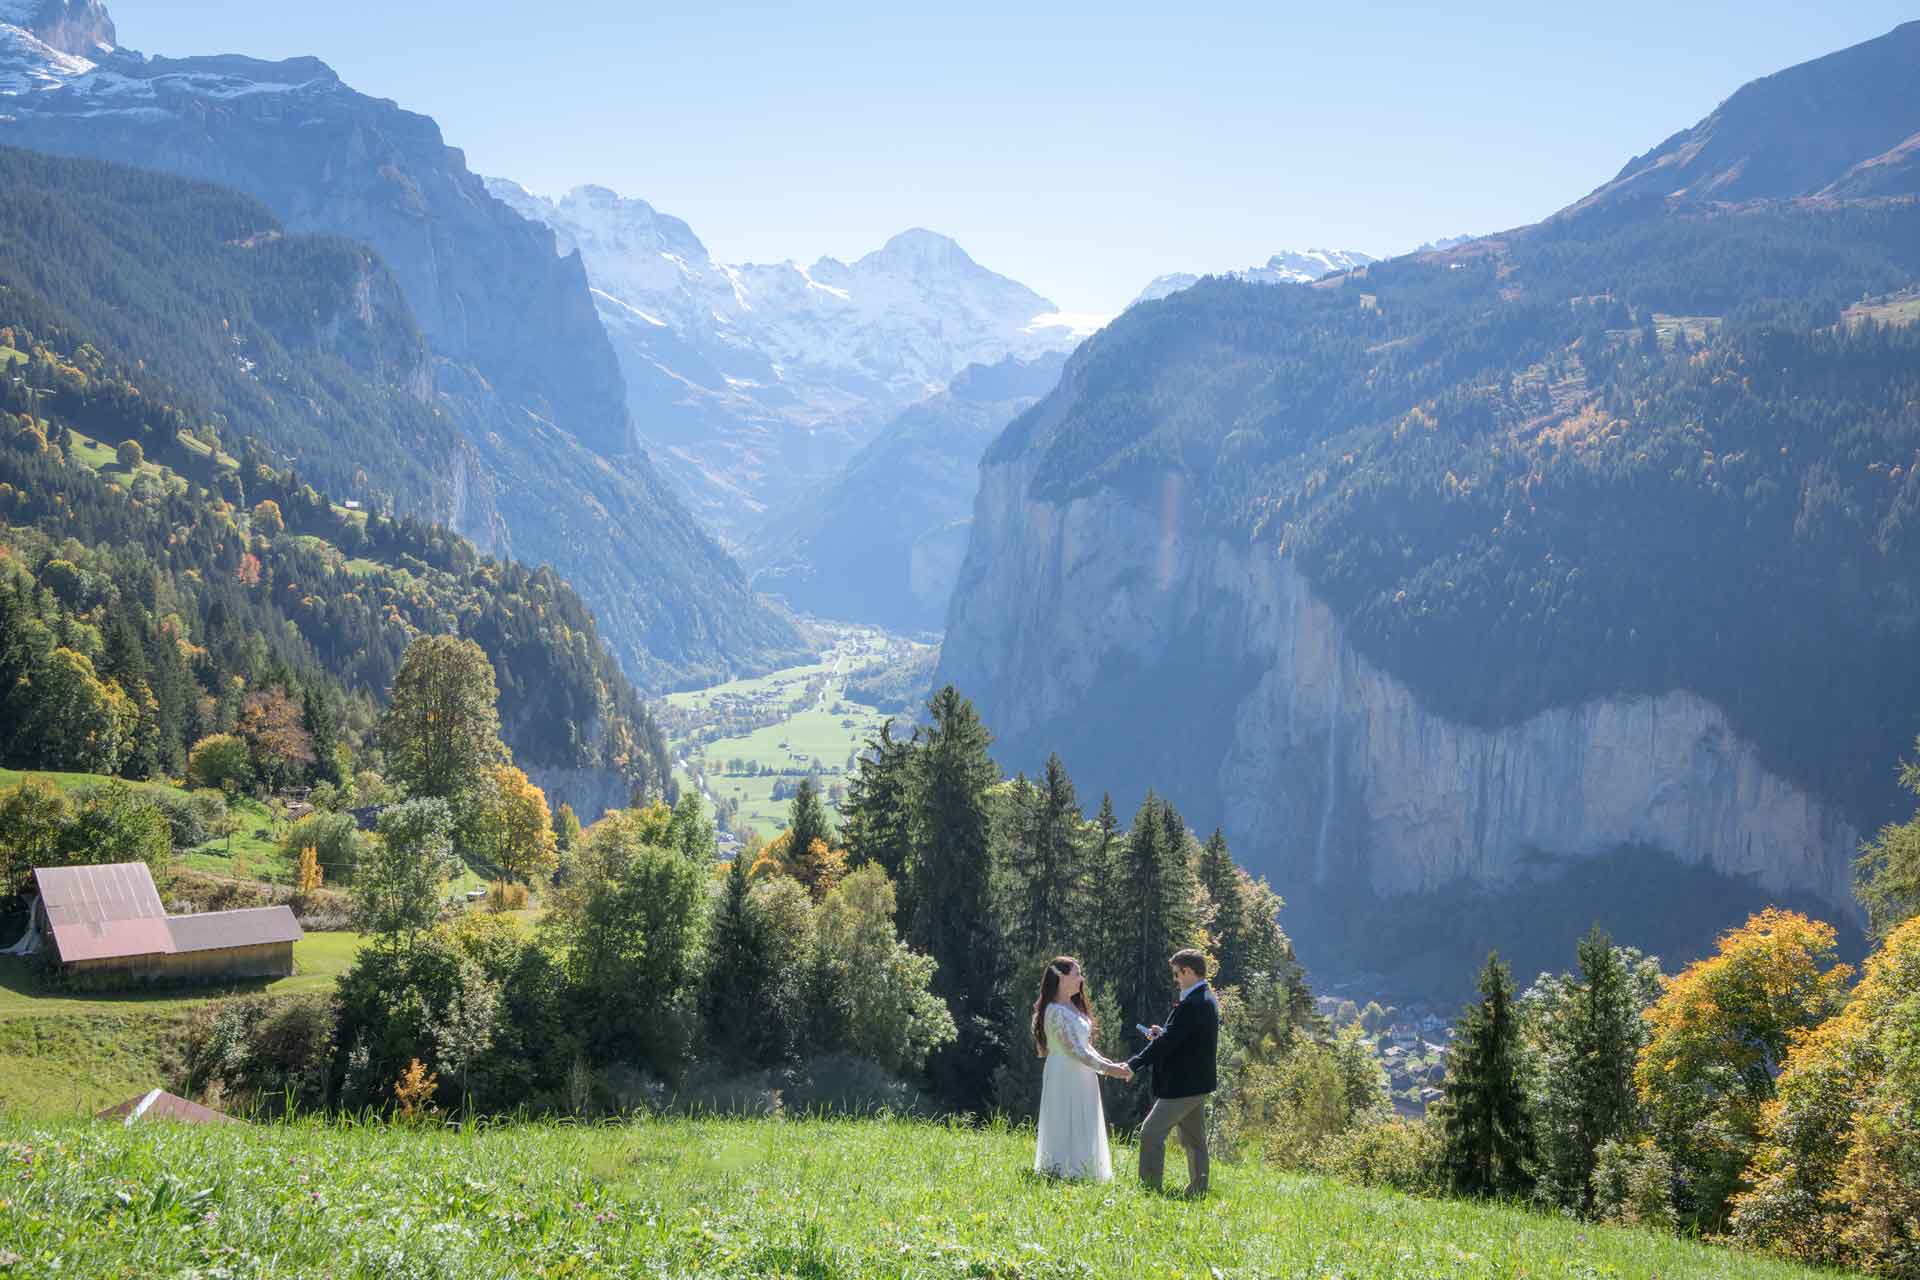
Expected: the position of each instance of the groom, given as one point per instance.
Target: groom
(1182, 1057)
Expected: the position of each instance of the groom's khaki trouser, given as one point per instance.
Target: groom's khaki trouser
(1189, 1115)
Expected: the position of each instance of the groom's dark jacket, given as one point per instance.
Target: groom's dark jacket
(1182, 1057)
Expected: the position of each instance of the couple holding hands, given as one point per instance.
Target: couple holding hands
(1181, 1054)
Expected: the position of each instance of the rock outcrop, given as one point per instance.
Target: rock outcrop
(1105, 620)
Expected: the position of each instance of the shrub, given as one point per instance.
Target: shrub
(1400, 1154)
(210, 811)
(1633, 1184)
(502, 896)
(187, 823)
(220, 761)
(259, 1053)
(335, 839)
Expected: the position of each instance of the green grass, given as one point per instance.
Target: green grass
(61, 1053)
(769, 1198)
(319, 959)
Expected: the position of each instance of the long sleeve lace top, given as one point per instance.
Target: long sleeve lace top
(1070, 1033)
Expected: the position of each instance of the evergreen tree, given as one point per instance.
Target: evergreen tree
(1048, 862)
(807, 819)
(1221, 879)
(879, 808)
(951, 874)
(1486, 1131)
(317, 717)
(1588, 1048)
(1156, 905)
(737, 965)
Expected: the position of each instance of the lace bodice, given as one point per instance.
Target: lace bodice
(1071, 1033)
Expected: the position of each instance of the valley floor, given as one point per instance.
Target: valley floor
(730, 1198)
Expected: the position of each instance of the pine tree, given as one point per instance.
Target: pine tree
(1157, 907)
(1048, 865)
(950, 869)
(323, 727)
(1221, 879)
(1486, 1131)
(736, 966)
(879, 808)
(807, 819)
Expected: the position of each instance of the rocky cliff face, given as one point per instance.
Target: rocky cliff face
(1326, 770)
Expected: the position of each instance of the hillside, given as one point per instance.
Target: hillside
(739, 1198)
(519, 366)
(166, 575)
(882, 541)
(1440, 577)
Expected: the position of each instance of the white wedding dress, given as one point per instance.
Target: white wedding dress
(1073, 1124)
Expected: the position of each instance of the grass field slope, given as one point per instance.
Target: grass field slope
(809, 1199)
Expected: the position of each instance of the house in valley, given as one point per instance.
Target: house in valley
(106, 923)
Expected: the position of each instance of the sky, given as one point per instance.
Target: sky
(1079, 148)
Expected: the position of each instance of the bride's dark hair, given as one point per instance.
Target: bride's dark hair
(1057, 968)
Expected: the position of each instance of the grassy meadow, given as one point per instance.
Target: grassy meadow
(785, 720)
(809, 1198)
(64, 1053)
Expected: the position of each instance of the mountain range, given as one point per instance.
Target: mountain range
(546, 465)
(752, 383)
(1556, 574)
(1295, 266)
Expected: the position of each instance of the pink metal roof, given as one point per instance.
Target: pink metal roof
(249, 927)
(161, 1105)
(98, 912)
(114, 911)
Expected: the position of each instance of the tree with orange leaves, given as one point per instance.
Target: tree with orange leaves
(1720, 1033)
(1836, 1178)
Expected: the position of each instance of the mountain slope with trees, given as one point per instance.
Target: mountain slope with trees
(519, 367)
(1637, 452)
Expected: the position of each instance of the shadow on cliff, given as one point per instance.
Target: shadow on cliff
(1427, 948)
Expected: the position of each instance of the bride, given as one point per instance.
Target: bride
(1073, 1126)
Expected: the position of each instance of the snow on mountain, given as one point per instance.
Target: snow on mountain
(1291, 266)
(752, 381)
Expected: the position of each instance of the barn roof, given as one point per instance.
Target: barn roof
(110, 910)
(250, 927)
(158, 1104)
(114, 911)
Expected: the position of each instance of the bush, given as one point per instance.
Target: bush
(335, 839)
(220, 761)
(260, 1054)
(1633, 1185)
(1400, 1154)
(186, 822)
(210, 811)
(502, 896)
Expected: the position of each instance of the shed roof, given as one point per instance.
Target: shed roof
(158, 1104)
(248, 927)
(113, 911)
(110, 910)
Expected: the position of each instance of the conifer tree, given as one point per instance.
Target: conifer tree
(1157, 907)
(1589, 1037)
(878, 809)
(807, 819)
(736, 965)
(1221, 879)
(1486, 1131)
(950, 870)
(1048, 863)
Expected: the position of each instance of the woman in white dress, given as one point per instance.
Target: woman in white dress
(1073, 1124)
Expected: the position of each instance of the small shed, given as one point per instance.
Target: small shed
(158, 1104)
(108, 921)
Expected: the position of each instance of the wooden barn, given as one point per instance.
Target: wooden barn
(106, 924)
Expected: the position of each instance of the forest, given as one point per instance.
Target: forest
(1601, 455)
(148, 602)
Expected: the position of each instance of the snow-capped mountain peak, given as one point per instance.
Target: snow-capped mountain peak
(77, 28)
(732, 366)
(1290, 266)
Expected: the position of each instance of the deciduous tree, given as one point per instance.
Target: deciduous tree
(443, 723)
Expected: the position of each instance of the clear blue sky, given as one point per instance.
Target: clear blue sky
(1083, 150)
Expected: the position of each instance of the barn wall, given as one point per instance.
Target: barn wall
(227, 964)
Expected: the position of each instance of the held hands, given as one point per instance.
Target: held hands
(1120, 1071)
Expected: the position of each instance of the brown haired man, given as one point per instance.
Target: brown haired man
(1182, 1055)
